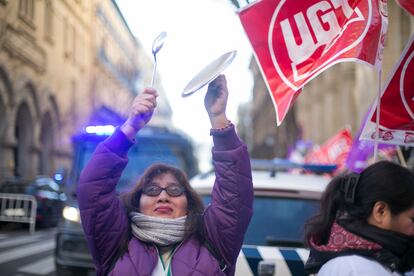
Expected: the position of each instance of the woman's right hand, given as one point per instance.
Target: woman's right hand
(141, 112)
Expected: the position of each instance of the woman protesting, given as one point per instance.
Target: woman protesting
(161, 227)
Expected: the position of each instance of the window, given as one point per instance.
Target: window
(27, 10)
(49, 21)
(67, 39)
(145, 153)
(278, 221)
(79, 52)
(74, 110)
(151, 147)
(73, 38)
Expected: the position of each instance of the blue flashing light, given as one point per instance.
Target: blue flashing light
(58, 177)
(100, 130)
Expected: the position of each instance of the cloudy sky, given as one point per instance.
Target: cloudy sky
(198, 31)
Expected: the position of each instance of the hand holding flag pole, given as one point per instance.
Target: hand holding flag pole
(377, 119)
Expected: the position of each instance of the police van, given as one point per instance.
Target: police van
(283, 201)
(153, 144)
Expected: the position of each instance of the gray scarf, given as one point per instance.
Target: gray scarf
(161, 231)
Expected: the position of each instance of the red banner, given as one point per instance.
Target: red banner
(407, 5)
(295, 40)
(396, 124)
(334, 151)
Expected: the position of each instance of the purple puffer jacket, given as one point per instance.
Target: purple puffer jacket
(105, 220)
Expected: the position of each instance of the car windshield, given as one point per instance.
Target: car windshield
(278, 221)
(141, 156)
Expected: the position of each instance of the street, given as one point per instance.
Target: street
(24, 254)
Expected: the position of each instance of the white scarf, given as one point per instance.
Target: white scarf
(161, 231)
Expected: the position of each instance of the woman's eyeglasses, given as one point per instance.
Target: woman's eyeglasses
(172, 190)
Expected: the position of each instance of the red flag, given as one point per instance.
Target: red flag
(396, 123)
(295, 40)
(334, 151)
(407, 5)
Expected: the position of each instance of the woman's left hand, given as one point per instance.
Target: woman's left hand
(215, 102)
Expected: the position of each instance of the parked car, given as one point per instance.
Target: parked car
(50, 200)
(49, 196)
(283, 201)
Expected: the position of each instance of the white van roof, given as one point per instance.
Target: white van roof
(284, 184)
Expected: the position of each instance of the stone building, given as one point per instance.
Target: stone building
(258, 128)
(337, 98)
(62, 65)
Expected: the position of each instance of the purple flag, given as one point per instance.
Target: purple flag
(362, 151)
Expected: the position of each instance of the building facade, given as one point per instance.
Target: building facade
(61, 63)
(258, 127)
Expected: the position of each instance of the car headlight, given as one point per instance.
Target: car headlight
(71, 213)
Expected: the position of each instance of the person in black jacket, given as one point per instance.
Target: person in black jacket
(365, 225)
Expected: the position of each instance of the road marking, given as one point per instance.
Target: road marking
(18, 241)
(25, 251)
(41, 267)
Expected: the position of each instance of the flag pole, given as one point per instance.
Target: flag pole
(377, 134)
(401, 157)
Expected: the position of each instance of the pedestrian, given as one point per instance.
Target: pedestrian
(161, 227)
(365, 225)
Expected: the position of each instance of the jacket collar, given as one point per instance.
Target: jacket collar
(349, 237)
(341, 239)
(395, 242)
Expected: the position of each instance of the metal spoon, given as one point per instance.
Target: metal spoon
(156, 47)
